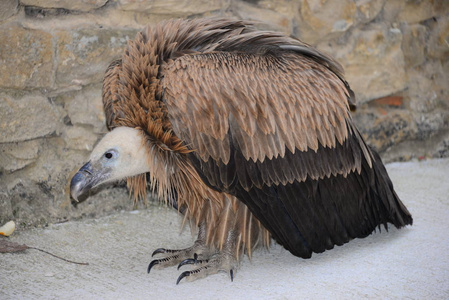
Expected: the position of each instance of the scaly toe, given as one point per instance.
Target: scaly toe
(163, 251)
(220, 262)
(192, 261)
(169, 257)
(164, 262)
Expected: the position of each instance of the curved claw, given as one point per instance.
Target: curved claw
(231, 272)
(159, 251)
(152, 264)
(188, 261)
(183, 274)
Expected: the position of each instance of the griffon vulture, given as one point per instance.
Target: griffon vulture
(249, 134)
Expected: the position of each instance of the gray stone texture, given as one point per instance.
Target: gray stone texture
(8, 8)
(54, 53)
(78, 5)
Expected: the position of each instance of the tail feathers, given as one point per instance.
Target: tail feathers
(396, 212)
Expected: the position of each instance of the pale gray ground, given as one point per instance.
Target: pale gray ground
(409, 263)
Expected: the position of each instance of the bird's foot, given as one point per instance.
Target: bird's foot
(207, 261)
(169, 257)
(220, 261)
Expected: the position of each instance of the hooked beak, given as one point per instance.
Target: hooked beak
(82, 181)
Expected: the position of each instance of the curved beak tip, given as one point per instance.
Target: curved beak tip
(81, 182)
(76, 185)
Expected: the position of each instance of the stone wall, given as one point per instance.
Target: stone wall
(53, 54)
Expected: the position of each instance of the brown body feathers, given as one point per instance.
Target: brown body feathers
(250, 133)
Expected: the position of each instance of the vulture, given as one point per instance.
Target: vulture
(248, 134)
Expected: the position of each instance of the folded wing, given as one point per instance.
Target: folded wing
(272, 127)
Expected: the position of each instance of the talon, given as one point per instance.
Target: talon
(188, 261)
(152, 264)
(159, 251)
(231, 272)
(183, 274)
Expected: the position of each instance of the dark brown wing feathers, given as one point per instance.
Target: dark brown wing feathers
(267, 120)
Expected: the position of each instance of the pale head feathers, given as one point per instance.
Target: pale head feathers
(122, 151)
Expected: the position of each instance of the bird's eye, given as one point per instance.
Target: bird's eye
(108, 155)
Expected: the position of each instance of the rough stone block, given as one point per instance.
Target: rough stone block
(8, 8)
(16, 156)
(427, 88)
(367, 10)
(413, 11)
(173, 8)
(419, 10)
(83, 55)
(373, 61)
(26, 58)
(429, 124)
(26, 118)
(269, 15)
(78, 5)
(383, 128)
(5, 208)
(413, 44)
(80, 138)
(85, 107)
(438, 44)
(322, 20)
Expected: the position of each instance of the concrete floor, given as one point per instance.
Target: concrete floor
(412, 263)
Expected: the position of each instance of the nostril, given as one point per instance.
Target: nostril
(86, 171)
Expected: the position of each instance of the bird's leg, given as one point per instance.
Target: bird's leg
(225, 233)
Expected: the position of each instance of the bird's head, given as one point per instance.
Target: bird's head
(120, 153)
